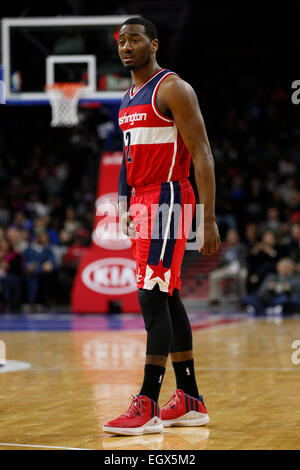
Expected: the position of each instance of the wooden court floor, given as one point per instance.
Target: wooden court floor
(77, 380)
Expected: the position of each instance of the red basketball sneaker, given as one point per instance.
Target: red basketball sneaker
(142, 417)
(184, 410)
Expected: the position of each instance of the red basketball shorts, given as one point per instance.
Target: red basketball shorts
(162, 215)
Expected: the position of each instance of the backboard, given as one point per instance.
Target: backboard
(40, 51)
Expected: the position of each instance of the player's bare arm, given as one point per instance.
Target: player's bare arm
(124, 190)
(176, 97)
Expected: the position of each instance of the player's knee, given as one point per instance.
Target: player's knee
(174, 299)
(156, 315)
(154, 307)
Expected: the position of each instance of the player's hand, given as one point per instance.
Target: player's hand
(47, 267)
(127, 224)
(208, 240)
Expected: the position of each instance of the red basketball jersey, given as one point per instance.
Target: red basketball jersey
(154, 149)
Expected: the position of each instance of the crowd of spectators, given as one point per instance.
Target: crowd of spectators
(258, 202)
(48, 183)
(266, 266)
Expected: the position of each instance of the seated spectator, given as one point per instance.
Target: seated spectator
(76, 249)
(280, 289)
(294, 237)
(10, 275)
(272, 221)
(40, 268)
(65, 239)
(19, 238)
(71, 224)
(232, 265)
(13, 235)
(261, 260)
(41, 224)
(20, 221)
(51, 229)
(35, 206)
(289, 187)
(251, 235)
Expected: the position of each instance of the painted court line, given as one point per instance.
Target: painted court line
(249, 369)
(41, 447)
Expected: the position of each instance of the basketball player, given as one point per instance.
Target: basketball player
(163, 129)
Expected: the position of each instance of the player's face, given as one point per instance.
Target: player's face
(135, 47)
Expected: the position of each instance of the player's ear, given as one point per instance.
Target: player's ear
(154, 45)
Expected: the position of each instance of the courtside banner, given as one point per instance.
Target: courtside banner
(107, 232)
(106, 273)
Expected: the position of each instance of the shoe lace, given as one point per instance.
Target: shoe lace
(136, 407)
(174, 399)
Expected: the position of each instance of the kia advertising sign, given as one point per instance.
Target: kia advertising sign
(113, 276)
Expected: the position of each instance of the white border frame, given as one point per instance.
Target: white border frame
(7, 23)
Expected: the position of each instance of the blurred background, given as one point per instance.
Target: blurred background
(241, 61)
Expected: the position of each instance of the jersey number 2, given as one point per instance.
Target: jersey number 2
(128, 156)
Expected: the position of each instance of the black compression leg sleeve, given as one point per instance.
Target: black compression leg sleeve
(155, 309)
(182, 332)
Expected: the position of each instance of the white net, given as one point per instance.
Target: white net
(64, 99)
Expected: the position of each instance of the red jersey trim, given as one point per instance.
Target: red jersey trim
(143, 84)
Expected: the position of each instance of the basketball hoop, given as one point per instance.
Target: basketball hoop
(64, 99)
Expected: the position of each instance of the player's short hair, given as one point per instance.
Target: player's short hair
(150, 28)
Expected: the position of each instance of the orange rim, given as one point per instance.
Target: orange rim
(67, 88)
